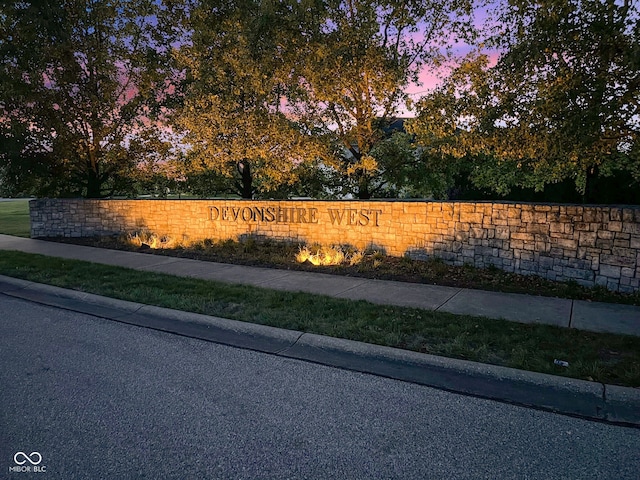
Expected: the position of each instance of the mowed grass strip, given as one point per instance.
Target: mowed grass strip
(14, 217)
(604, 358)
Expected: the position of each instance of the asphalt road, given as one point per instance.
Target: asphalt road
(99, 399)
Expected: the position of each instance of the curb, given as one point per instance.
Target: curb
(590, 400)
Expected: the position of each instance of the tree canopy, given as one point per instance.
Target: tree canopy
(562, 101)
(357, 65)
(79, 81)
(273, 98)
(240, 65)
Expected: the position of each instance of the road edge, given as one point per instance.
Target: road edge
(580, 398)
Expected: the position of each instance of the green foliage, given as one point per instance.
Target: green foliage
(360, 58)
(275, 99)
(286, 98)
(561, 102)
(240, 71)
(78, 81)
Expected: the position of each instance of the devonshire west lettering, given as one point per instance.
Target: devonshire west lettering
(264, 214)
(354, 216)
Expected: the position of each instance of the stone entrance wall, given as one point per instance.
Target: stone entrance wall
(593, 245)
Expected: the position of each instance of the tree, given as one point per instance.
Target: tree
(357, 64)
(563, 100)
(79, 81)
(239, 66)
(398, 171)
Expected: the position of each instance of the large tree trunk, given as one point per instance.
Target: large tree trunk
(246, 179)
(363, 188)
(591, 191)
(364, 194)
(94, 185)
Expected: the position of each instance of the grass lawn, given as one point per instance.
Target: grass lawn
(599, 357)
(14, 217)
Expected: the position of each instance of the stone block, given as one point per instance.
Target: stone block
(624, 252)
(546, 263)
(565, 243)
(543, 208)
(499, 214)
(539, 228)
(517, 244)
(529, 267)
(495, 261)
(615, 214)
(604, 244)
(542, 246)
(553, 216)
(508, 254)
(466, 208)
(556, 227)
(577, 273)
(605, 234)
(610, 271)
(591, 215)
(627, 272)
(628, 215)
(587, 239)
(574, 210)
(594, 227)
(472, 218)
(528, 256)
(527, 216)
(477, 232)
(614, 226)
(540, 217)
(555, 252)
(525, 237)
(502, 233)
(514, 213)
(631, 228)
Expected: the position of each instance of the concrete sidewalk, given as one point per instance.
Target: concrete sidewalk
(592, 316)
